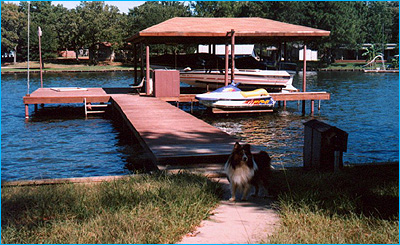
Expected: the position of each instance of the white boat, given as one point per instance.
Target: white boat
(231, 97)
(254, 78)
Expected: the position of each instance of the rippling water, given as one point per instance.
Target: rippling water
(58, 142)
(364, 105)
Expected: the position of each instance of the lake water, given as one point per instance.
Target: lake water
(58, 141)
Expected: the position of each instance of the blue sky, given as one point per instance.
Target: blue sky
(123, 6)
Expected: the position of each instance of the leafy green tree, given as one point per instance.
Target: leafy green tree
(99, 22)
(154, 12)
(43, 16)
(13, 25)
(379, 23)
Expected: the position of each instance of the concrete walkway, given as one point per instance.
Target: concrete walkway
(236, 222)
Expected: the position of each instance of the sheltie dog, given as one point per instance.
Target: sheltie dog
(243, 170)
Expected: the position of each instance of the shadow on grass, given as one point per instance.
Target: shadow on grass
(372, 191)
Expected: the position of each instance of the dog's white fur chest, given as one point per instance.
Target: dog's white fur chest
(240, 175)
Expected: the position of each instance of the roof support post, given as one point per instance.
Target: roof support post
(233, 55)
(285, 54)
(303, 110)
(135, 62)
(141, 62)
(148, 90)
(226, 63)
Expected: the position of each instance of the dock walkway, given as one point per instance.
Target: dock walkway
(170, 133)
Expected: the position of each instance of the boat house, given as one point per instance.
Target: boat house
(211, 31)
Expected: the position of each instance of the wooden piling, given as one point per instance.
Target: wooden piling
(226, 65)
(148, 86)
(233, 55)
(303, 110)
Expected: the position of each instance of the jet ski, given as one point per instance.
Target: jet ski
(231, 97)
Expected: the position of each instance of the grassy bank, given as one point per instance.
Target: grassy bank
(357, 205)
(60, 67)
(147, 209)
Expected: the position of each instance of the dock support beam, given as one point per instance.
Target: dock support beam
(303, 110)
(135, 63)
(226, 64)
(233, 56)
(141, 62)
(312, 107)
(26, 111)
(148, 70)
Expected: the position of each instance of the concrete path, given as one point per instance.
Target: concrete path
(236, 222)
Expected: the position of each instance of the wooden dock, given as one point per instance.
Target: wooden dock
(171, 134)
(168, 134)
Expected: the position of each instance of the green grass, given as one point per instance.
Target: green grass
(357, 205)
(343, 66)
(147, 209)
(59, 67)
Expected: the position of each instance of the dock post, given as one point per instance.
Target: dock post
(319, 105)
(226, 63)
(26, 111)
(303, 110)
(135, 63)
(148, 70)
(284, 104)
(312, 107)
(141, 62)
(233, 55)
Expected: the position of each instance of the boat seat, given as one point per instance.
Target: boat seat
(253, 93)
(139, 86)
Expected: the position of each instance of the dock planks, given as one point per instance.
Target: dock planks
(50, 96)
(170, 133)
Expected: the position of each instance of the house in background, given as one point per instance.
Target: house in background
(101, 51)
(390, 50)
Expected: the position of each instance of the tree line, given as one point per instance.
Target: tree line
(351, 23)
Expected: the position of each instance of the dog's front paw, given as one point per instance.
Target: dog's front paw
(232, 199)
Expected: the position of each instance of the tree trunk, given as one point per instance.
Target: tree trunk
(76, 53)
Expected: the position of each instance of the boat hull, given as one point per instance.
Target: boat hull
(274, 80)
(229, 99)
(249, 104)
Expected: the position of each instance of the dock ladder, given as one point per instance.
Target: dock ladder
(89, 107)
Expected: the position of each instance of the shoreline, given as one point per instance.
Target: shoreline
(130, 70)
(108, 178)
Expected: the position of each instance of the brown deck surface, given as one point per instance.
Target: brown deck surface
(170, 132)
(50, 96)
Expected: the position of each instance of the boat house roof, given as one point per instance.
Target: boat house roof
(214, 30)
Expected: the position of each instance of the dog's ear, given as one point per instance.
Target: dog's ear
(237, 146)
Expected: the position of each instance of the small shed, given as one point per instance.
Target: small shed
(101, 52)
(323, 146)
